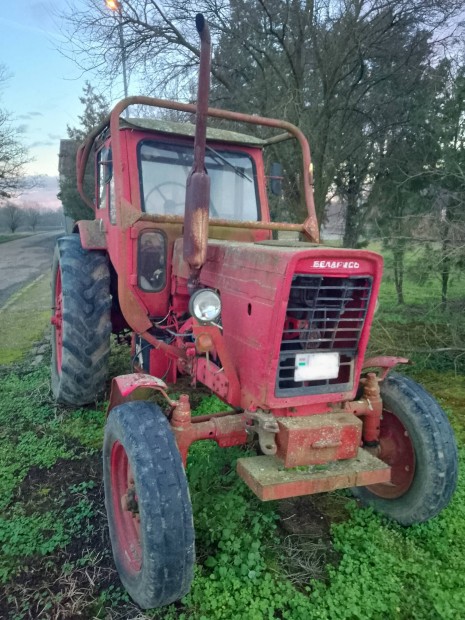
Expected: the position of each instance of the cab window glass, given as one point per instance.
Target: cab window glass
(111, 199)
(164, 170)
(105, 176)
(152, 261)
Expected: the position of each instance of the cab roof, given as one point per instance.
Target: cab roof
(188, 129)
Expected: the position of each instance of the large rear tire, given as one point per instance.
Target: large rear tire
(148, 505)
(417, 441)
(81, 325)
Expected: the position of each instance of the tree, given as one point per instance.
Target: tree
(335, 69)
(445, 180)
(452, 169)
(34, 215)
(395, 80)
(401, 197)
(13, 216)
(95, 110)
(13, 154)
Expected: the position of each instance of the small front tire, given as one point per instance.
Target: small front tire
(417, 441)
(148, 505)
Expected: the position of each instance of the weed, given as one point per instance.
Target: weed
(210, 404)
(86, 427)
(25, 536)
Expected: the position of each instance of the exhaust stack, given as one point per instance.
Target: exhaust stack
(198, 182)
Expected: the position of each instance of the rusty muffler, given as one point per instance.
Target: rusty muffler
(198, 181)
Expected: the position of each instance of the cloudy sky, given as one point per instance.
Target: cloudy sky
(44, 89)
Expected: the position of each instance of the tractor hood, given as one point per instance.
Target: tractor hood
(281, 300)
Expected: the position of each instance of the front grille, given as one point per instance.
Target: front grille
(323, 314)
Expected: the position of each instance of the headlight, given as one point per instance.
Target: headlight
(205, 305)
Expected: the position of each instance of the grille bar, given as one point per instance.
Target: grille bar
(323, 314)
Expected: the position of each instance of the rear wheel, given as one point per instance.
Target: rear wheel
(416, 440)
(148, 505)
(81, 324)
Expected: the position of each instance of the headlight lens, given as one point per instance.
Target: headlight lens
(205, 305)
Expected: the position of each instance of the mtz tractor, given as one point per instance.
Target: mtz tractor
(182, 254)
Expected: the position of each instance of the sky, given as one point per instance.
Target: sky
(44, 88)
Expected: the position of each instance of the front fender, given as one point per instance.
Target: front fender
(385, 363)
(136, 386)
(92, 234)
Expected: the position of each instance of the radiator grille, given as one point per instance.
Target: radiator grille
(323, 314)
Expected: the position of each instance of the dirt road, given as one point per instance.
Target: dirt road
(23, 260)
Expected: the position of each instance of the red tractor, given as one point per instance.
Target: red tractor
(181, 253)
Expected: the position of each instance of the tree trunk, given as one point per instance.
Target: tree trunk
(399, 275)
(321, 176)
(354, 215)
(351, 229)
(445, 271)
(445, 257)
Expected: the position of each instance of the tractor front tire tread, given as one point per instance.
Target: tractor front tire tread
(166, 522)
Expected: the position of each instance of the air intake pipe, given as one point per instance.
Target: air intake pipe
(198, 181)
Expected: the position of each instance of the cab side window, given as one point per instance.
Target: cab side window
(152, 261)
(106, 184)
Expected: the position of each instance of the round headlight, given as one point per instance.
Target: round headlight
(205, 305)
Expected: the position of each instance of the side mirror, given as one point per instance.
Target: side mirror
(276, 178)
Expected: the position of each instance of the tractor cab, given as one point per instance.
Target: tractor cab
(155, 158)
(164, 152)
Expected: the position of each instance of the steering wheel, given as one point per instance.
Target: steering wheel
(170, 206)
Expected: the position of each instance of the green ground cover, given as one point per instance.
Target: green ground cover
(24, 319)
(12, 237)
(319, 557)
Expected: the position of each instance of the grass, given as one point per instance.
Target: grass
(319, 557)
(13, 236)
(24, 319)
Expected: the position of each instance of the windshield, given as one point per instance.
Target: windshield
(164, 170)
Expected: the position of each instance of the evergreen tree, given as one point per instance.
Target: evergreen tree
(95, 110)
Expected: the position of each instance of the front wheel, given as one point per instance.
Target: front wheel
(417, 441)
(148, 505)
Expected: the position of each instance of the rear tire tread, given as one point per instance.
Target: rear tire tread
(86, 322)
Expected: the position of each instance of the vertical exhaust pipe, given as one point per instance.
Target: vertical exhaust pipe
(198, 182)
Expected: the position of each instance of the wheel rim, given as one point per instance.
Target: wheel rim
(125, 508)
(57, 321)
(395, 449)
